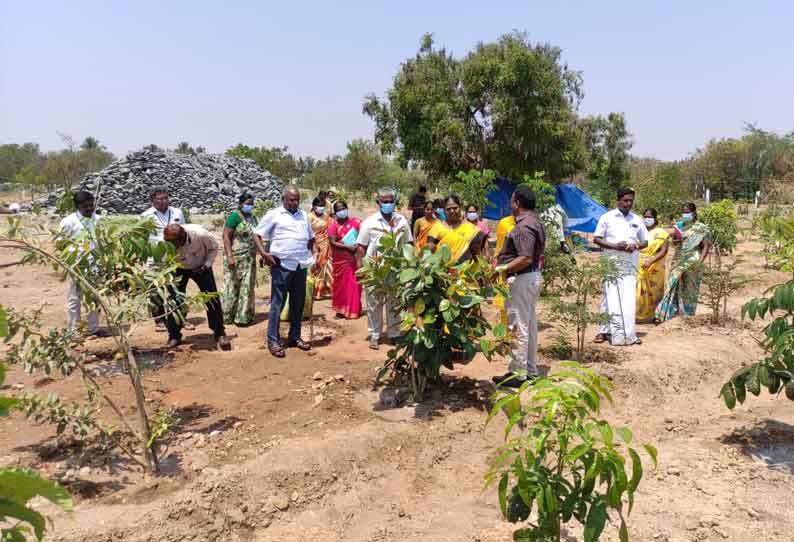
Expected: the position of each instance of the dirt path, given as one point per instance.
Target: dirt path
(272, 450)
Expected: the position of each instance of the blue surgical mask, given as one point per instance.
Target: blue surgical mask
(387, 208)
(649, 222)
(687, 217)
(341, 214)
(442, 214)
(319, 210)
(472, 217)
(247, 208)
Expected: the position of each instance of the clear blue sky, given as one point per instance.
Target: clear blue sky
(295, 73)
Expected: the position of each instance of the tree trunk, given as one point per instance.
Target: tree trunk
(148, 455)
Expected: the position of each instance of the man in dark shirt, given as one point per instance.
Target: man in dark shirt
(520, 261)
(417, 205)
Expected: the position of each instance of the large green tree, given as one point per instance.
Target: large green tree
(509, 106)
(607, 143)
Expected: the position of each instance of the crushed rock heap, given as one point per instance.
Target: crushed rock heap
(198, 182)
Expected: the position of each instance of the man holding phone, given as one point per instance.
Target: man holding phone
(284, 238)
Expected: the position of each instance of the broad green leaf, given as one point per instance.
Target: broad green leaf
(19, 486)
(728, 395)
(596, 519)
(408, 275)
(625, 434)
(3, 322)
(636, 471)
(419, 306)
(499, 331)
(16, 511)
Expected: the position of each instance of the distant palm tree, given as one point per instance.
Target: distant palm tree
(152, 147)
(184, 148)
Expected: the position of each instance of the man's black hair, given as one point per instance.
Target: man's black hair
(525, 197)
(82, 196)
(625, 192)
(158, 190)
(422, 189)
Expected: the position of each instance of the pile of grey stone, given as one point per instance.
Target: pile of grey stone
(202, 183)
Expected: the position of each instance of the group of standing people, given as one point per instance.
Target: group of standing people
(330, 246)
(642, 291)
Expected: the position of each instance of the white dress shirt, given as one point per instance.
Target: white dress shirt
(289, 235)
(75, 223)
(614, 227)
(375, 227)
(173, 215)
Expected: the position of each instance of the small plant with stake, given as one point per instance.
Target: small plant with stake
(567, 463)
(110, 264)
(570, 301)
(720, 283)
(439, 305)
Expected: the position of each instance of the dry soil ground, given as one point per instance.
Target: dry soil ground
(299, 449)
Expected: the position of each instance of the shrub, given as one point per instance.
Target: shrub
(439, 305)
(566, 463)
(775, 371)
(722, 220)
(721, 281)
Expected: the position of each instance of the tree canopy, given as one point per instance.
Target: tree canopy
(510, 106)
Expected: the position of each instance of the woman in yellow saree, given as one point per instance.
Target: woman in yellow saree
(503, 229)
(651, 273)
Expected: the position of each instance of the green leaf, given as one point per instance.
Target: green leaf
(499, 330)
(728, 395)
(652, 452)
(596, 519)
(14, 510)
(624, 531)
(503, 495)
(625, 434)
(3, 322)
(636, 471)
(19, 486)
(408, 275)
(6, 404)
(606, 432)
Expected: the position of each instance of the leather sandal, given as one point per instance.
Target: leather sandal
(300, 344)
(276, 350)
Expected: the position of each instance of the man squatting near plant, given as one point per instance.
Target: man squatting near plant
(622, 234)
(520, 261)
(196, 249)
(163, 216)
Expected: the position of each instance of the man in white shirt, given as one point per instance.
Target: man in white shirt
(386, 220)
(284, 238)
(621, 234)
(72, 226)
(161, 212)
(163, 215)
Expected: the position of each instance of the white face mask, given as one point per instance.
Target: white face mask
(649, 222)
(472, 217)
(319, 210)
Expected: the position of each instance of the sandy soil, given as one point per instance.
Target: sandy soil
(300, 449)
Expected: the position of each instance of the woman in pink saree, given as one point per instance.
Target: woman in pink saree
(342, 234)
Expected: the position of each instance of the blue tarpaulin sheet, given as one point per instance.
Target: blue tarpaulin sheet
(582, 210)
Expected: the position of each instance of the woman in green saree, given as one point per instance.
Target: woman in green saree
(683, 286)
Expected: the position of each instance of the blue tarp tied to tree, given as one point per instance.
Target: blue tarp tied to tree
(582, 210)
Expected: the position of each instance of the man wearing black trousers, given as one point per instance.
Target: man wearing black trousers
(285, 240)
(196, 249)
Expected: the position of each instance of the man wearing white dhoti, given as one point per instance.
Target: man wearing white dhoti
(621, 234)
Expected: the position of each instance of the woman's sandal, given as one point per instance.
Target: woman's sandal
(600, 338)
